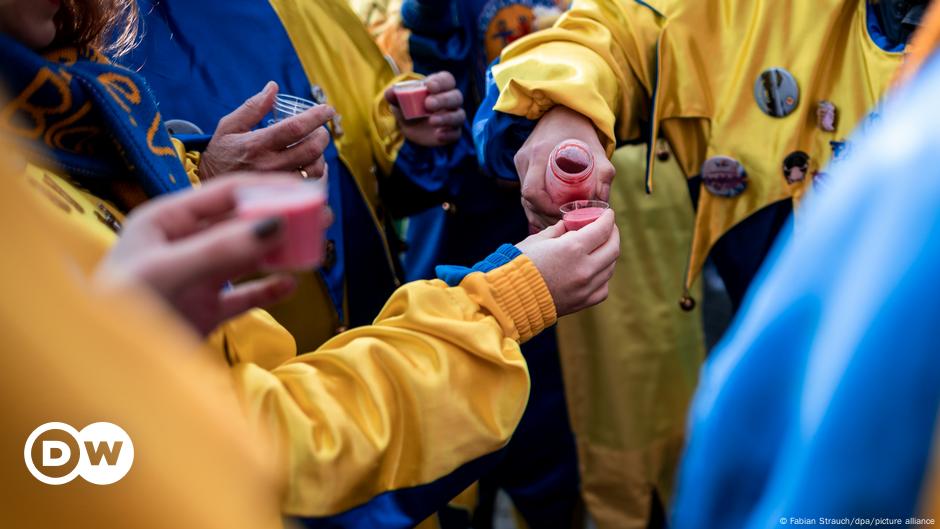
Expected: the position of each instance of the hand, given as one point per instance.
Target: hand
(557, 125)
(187, 246)
(295, 144)
(445, 103)
(576, 265)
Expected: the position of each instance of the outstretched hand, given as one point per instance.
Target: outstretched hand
(576, 265)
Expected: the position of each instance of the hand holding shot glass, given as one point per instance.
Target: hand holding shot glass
(294, 141)
(189, 247)
(429, 111)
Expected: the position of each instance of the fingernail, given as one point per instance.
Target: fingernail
(268, 228)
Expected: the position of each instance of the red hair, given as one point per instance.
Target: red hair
(110, 26)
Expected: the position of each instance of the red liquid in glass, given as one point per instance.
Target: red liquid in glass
(570, 172)
(411, 102)
(576, 219)
(303, 230)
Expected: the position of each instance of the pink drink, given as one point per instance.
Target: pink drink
(570, 172)
(411, 96)
(300, 207)
(580, 213)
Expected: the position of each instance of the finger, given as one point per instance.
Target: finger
(605, 177)
(317, 169)
(259, 293)
(450, 119)
(391, 97)
(447, 136)
(440, 82)
(290, 131)
(449, 100)
(595, 234)
(305, 153)
(225, 251)
(180, 214)
(537, 222)
(536, 198)
(252, 111)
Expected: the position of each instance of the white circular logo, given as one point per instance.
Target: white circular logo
(101, 453)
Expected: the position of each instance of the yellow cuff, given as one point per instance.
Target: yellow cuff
(519, 290)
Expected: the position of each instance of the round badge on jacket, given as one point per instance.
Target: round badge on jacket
(724, 176)
(777, 92)
(796, 167)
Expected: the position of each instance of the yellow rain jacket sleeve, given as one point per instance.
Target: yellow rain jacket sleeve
(438, 381)
(435, 383)
(687, 70)
(598, 60)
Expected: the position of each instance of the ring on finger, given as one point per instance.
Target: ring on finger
(303, 173)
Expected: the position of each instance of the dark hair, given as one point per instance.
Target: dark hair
(110, 26)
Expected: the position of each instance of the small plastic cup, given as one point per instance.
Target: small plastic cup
(580, 213)
(411, 96)
(286, 106)
(300, 205)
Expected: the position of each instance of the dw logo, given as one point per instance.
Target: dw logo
(102, 453)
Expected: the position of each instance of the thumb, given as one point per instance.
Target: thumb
(391, 97)
(245, 117)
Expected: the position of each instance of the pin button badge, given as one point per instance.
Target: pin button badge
(777, 92)
(827, 116)
(724, 176)
(796, 167)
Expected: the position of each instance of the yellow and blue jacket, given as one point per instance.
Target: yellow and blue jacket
(384, 423)
(688, 71)
(320, 51)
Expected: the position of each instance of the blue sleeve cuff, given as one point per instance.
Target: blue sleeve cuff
(453, 275)
(423, 177)
(498, 136)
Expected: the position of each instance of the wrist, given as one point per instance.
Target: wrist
(520, 291)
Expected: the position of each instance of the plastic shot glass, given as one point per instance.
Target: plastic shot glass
(580, 213)
(300, 206)
(411, 96)
(286, 106)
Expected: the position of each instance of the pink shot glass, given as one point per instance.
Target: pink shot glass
(580, 213)
(411, 96)
(301, 207)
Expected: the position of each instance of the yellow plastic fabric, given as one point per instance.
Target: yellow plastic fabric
(689, 68)
(631, 364)
(438, 381)
(79, 356)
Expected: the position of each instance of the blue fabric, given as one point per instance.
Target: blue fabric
(97, 120)
(498, 136)
(877, 34)
(406, 508)
(453, 275)
(822, 400)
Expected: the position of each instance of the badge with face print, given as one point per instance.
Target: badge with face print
(796, 167)
(724, 176)
(777, 92)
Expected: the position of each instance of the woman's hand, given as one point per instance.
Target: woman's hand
(576, 265)
(557, 125)
(445, 103)
(188, 246)
(294, 144)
